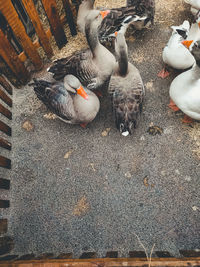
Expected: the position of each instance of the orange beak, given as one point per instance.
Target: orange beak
(187, 43)
(104, 13)
(80, 91)
(116, 34)
(199, 24)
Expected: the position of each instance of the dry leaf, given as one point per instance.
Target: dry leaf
(92, 166)
(68, 154)
(28, 126)
(106, 132)
(81, 207)
(146, 183)
(50, 116)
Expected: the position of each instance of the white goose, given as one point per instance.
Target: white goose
(175, 54)
(195, 5)
(185, 89)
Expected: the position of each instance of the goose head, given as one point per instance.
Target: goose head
(73, 85)
(94, 19)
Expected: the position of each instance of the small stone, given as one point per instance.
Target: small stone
(92, 166)
(28, 126)
(128, 175)
(142, 138)
(50, 116)
(177, 172)
(188, 178)
(106, 132)
(195, 208)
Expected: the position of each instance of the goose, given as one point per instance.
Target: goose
(92, 66)
(195, 5)
(175, 54)
(141, 11)
(68, 100)
(185, 89)
(126, 88)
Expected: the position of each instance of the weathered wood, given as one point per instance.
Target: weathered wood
(5, 128)
(17, 26)
(88, 255)
(4, 204)
(137, 254)
(69, 16)
(4, 111)
(112, 254)
(6, 245)
(190, 253)
(3, 226)
(5, 144)
(5, 162)
(106, 262)
(65, 256)
(5, 98)
(5, 85)
(4, 184)
(33, 14)
(11, 58)
(55, 23)
(9, 258)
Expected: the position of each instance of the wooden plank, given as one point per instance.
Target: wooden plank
(5, 85)
(32, 12)
(107, 262)
(4, 204)
(5, 98)
(5, 144)
(3, 226)
(11, 58)
(17, 26)
(5, 128)
(6, 245)
(4, 111)
(55, 23)
(88, 255)
(4, 184)
(190, 253)
(69, 16)
(5, 162)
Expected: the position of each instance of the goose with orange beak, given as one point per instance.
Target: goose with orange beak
(185, 88)
(68, 100)
(175, 53)
(92, 66)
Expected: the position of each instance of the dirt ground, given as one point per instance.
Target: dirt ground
(76, 190)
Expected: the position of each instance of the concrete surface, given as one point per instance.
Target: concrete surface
(108, 188)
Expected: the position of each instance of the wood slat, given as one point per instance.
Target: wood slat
(11, 58)
(5, 128)
(69, 16)
(88, 255)
(4, 204)
(55, 23)
(3, 226)
(4, 111)
(181, 262)
(17, 26)
(5, 162)
(32, 12)
(5, 144)
(6, 245)
(4, 184)
(5, 85)
(5, 98)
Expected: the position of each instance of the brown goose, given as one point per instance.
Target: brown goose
(127, 90)
(139, 12)
(68, 100)
(94, 66)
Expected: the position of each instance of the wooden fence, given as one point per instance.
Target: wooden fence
(16, 45)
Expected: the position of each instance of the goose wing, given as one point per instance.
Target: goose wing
(55, 97)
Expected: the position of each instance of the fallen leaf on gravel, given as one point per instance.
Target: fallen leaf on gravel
(106, 132)
(68, 154)
(50, 116)
(81, 207)
(92, 166)
(28, 126)
(146, 181)
(154, 130)
(195, 208)
(149, 86)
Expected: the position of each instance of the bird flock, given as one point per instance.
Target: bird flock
(81, 78)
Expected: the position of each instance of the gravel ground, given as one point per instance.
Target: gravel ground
(76, 190)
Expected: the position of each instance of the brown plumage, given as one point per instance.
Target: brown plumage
(127, 90)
